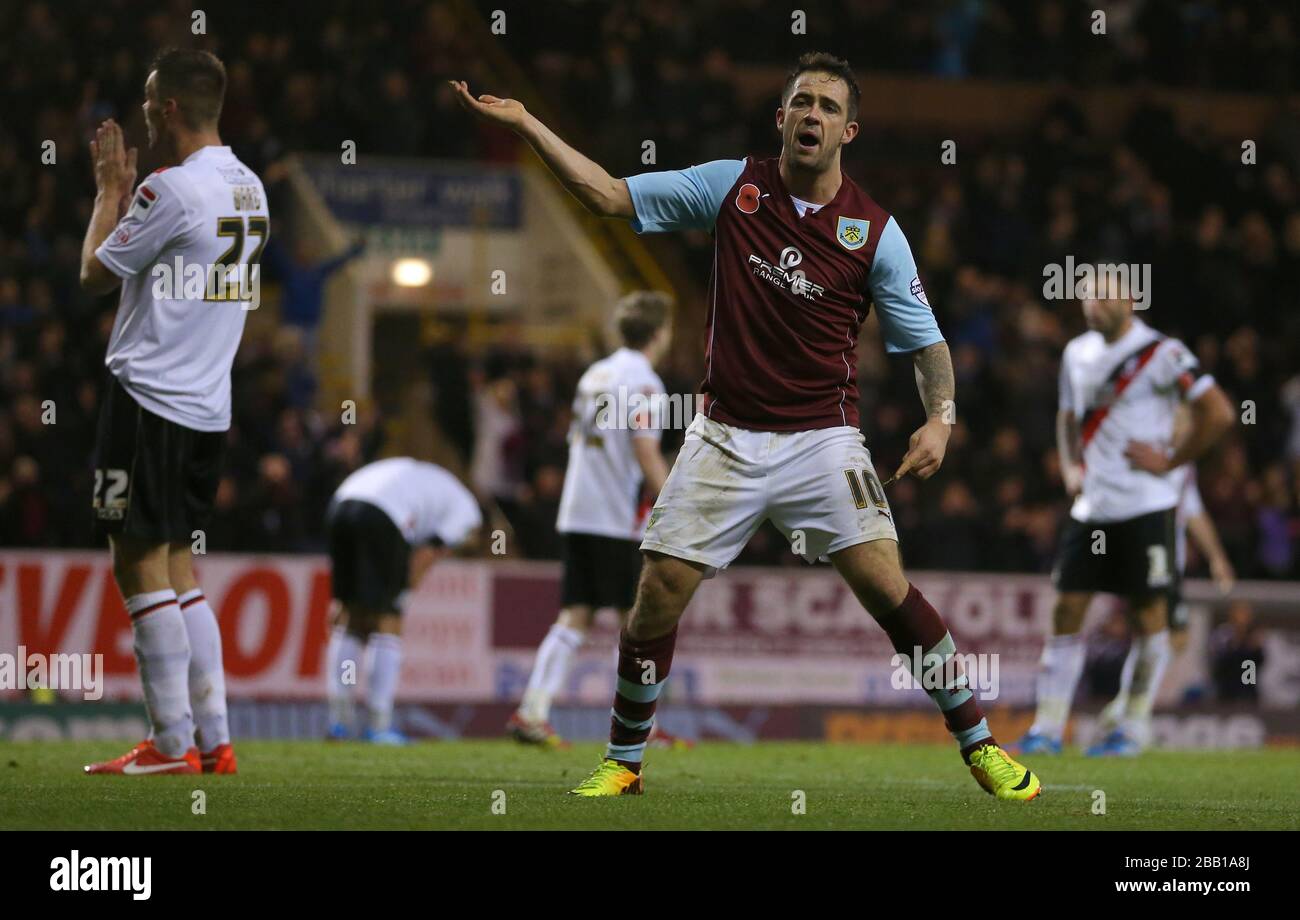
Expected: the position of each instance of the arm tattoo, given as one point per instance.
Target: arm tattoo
(934, 379)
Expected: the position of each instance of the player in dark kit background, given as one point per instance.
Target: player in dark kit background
(801, 253)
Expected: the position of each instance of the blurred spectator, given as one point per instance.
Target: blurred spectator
(303, 278)
(1233, 646)
(496, 466)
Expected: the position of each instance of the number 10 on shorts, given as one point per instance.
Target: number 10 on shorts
(867, 485)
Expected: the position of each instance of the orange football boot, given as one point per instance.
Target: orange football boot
(145, 759)
(221, 759)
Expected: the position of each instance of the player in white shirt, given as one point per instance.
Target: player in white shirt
(1124, 733)
(389, 522)
(184, 247)
(615, 471)
(1121, 382)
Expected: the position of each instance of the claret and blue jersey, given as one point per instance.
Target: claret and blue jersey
(788, 293)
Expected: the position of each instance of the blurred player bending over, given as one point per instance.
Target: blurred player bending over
(1121, 382)
(162, 427)
(613, 456)
(800, 253)
(1125, 723)
(388, 523)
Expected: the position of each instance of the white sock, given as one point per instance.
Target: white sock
(1058, 675)
(343, 662)
(383, 667)
(550, 670)
(1113, 714)
(162, 650)
(207, 676)
(1153, 653)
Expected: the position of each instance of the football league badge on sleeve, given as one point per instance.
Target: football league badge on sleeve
(852, 232)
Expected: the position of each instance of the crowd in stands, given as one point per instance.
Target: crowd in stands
(1223, 240)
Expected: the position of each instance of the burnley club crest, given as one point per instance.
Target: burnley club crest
(852, 232)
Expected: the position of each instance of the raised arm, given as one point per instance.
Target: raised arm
(598, 191)
(114, 180)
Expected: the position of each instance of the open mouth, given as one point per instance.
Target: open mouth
(806, 140)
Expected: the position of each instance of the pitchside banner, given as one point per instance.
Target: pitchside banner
(752, 636)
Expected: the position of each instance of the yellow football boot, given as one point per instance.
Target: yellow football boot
(1001, 776)
(610, 778)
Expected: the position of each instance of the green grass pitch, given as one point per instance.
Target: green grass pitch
(454, 785)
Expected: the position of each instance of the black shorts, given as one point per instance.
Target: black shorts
(154, 479)
(369, 558)
(1138, 559)
(599, 571)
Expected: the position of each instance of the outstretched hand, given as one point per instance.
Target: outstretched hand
(507, 112)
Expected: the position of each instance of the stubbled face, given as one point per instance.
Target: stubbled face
(814, 121)
(1106, 316)
(154, 118)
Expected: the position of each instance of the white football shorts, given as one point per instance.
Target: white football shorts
(818, 487)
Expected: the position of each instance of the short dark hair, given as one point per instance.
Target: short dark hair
(640, 315)
(828, 63)
(196, 79)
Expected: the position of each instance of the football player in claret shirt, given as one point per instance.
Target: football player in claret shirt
(800, 254)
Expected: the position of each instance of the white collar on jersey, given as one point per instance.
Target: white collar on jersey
(804, 208)
(205, 151)
(1136, 330)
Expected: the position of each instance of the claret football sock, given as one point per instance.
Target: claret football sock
(554, 659)
(344, 662)
(642, 670)
(917, 625)
(1059, 671)
(207, 674)
(162, 650)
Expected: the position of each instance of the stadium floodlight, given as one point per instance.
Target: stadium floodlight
(412, 272)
